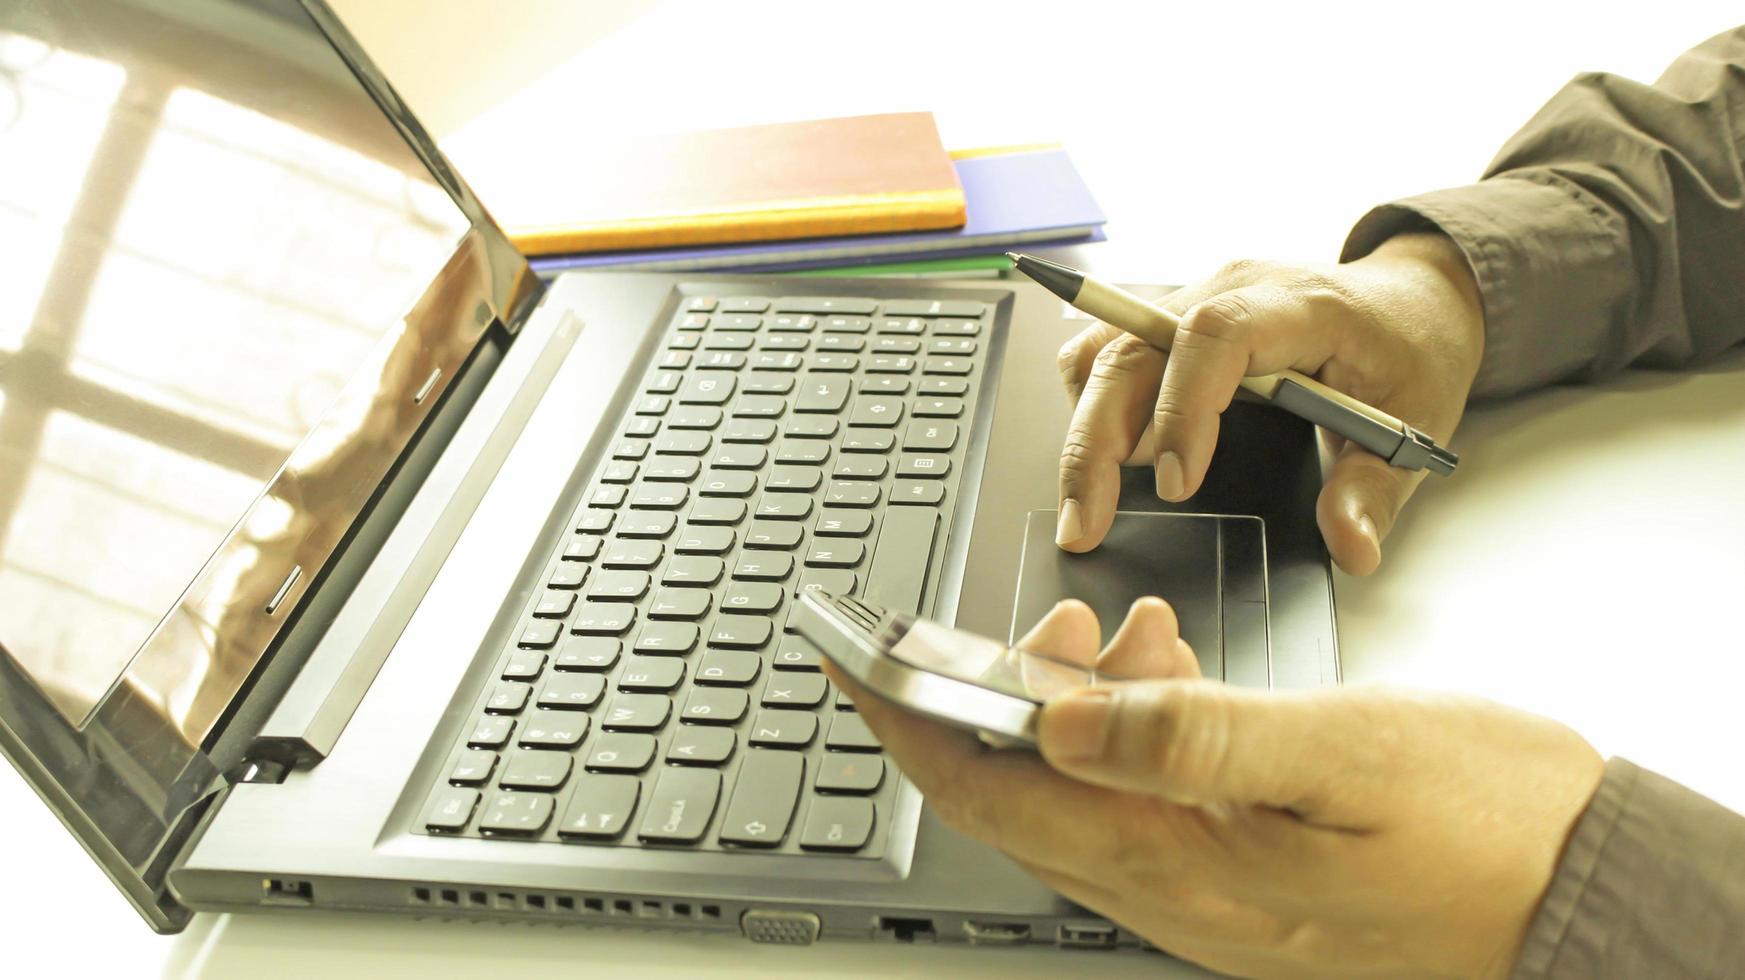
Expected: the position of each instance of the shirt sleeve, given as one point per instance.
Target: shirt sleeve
(1609, 232)
(1651, 884)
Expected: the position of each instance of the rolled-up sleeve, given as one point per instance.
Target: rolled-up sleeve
(1609, 232)
(1651, 884)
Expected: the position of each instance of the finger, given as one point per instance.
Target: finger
(1148, 644)
(1105, 426)
(1078, 355)
(1257, 329)
(1068, 632)
(1359, 504)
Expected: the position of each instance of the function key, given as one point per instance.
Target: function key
(778, 341)
(900, 325)
(850, 306)
(956, 328)
(744, 304)
(524, 665)
(793, 323)
(934, 307)
(642, 426)
(667, 382)
(630, 449)
(841, 342)
(541, 634)
(619, 473)
(700, 304)
(694, 321)
(594, 521)
(737, 321)
(897, 345)
(568, 575)
(684, 343)
(727, 360)
(951, 345)
(834, 362)
(607, 496)
(728, 341)
(847, 325)
(881, 364)
(676, 360)
(776, 360)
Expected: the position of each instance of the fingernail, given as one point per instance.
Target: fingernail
(1071, 526)
(1077, 723)
(1169, 476)
(1366, 527)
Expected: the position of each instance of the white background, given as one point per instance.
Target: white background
(1585, 563)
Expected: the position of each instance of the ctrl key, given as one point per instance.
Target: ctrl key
(450, 810)
(516, 814)
(601, 807)
(837, 824)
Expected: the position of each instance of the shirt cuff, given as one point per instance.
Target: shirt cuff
(1553, 267)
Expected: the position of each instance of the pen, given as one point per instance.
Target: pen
(1370, 427)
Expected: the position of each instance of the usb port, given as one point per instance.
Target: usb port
(1086, 937)
(996, 933)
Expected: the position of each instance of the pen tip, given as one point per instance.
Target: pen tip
(1014, 256)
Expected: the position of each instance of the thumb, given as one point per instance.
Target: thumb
(1358, 505)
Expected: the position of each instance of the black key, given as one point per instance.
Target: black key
(660, 496)
(947, 365)
(554, 730)
(604, 618)
(491, 733)
(600, 807)
(508, 698)
(660, 674)
(836, 581)
(884, 384)
(836, 522)
(811, 427)
(896, 345)
(899, 562)
(737, 321)
(759, 407)
(793, 478)
(744, 304)
(796, 323)
(672, 469)
(902, 325)
(797, 654)
(825, 304)
(929, 436)
(754, 597)
(781, 728)
(693, 570)
(451, 810)
(727, 360)
(701, 745)
(728, 483)
(923, 466)
(776, 360)
(717, 510)
(694, 417)
(776, 535)
(619, 473)
(705, 540)
(728, 341)
(667, 638)
(588, 653)
(617, 585)
(764, 795)
(792, 689)
(642, 427)
(582, 547)
(555, 605)
(700, 304)
(951, 345)
(868, 441)
(683, 443)
(672, 603)
(749, 430)
(835, 554)
(568, 575)
(877, 411)
(473, 768)
(933, 307)
(740, 631)
(886, 364)
(956, 328)
(524, 666)
(845, 493)
(571, 692)
(917, 492)
(653, 405)
(802, 451)
(632, 554)
(860, 468)
(623, 751)
(842, 342)
(607, 496)
(937, 408)
(516, 813)
(679, 809)
(834, 362)
(714, 706)
(784, 506)
(848, 733)
(765, 383)
(783, 341)
(822, 393)
(844, 702)
(676, 360)
(740, 458)
(536, 770)
(766, 566)
(940, 386)
(647, 524)
(849, 772)
(636, 712)
(837, 823)
(730, 667)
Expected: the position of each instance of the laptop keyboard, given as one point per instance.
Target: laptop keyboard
(653, 694)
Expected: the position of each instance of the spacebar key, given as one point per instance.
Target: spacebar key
(899, 565)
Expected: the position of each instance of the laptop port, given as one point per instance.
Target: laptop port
(281, 891)
(996, 933)
(905, 930)
(1086, 937)
(780, 926)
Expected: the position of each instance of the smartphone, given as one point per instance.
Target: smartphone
(950, 675)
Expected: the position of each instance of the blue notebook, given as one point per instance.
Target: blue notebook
(1030, 198)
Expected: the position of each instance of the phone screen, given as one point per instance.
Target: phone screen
(988, 663)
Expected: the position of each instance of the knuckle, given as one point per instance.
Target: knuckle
(1079, 453)
(1122, 357)
(1223, 318)
(1240, 271)
(1190, 735)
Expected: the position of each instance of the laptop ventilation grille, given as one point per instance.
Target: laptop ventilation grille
(442, 899)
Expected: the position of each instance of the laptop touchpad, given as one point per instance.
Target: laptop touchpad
(1211, 569)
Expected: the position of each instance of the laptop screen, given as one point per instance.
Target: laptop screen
(208, 230)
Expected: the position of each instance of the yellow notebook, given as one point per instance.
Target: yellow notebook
(850, 176)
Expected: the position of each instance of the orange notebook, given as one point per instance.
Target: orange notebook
(850, 176)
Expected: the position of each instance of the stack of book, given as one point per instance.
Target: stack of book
(868, 195)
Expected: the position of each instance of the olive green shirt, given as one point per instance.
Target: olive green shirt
(1610, 233)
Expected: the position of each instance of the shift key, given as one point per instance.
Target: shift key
(679, 810)
(899, 566)
(764, 795)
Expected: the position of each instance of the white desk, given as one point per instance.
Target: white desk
(1585, 563)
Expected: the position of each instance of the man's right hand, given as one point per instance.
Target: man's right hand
(1401, 329)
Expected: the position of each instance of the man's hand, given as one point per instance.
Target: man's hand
(1401, 329)
(1343, 832)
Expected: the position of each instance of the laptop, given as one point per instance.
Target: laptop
(346, 564)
